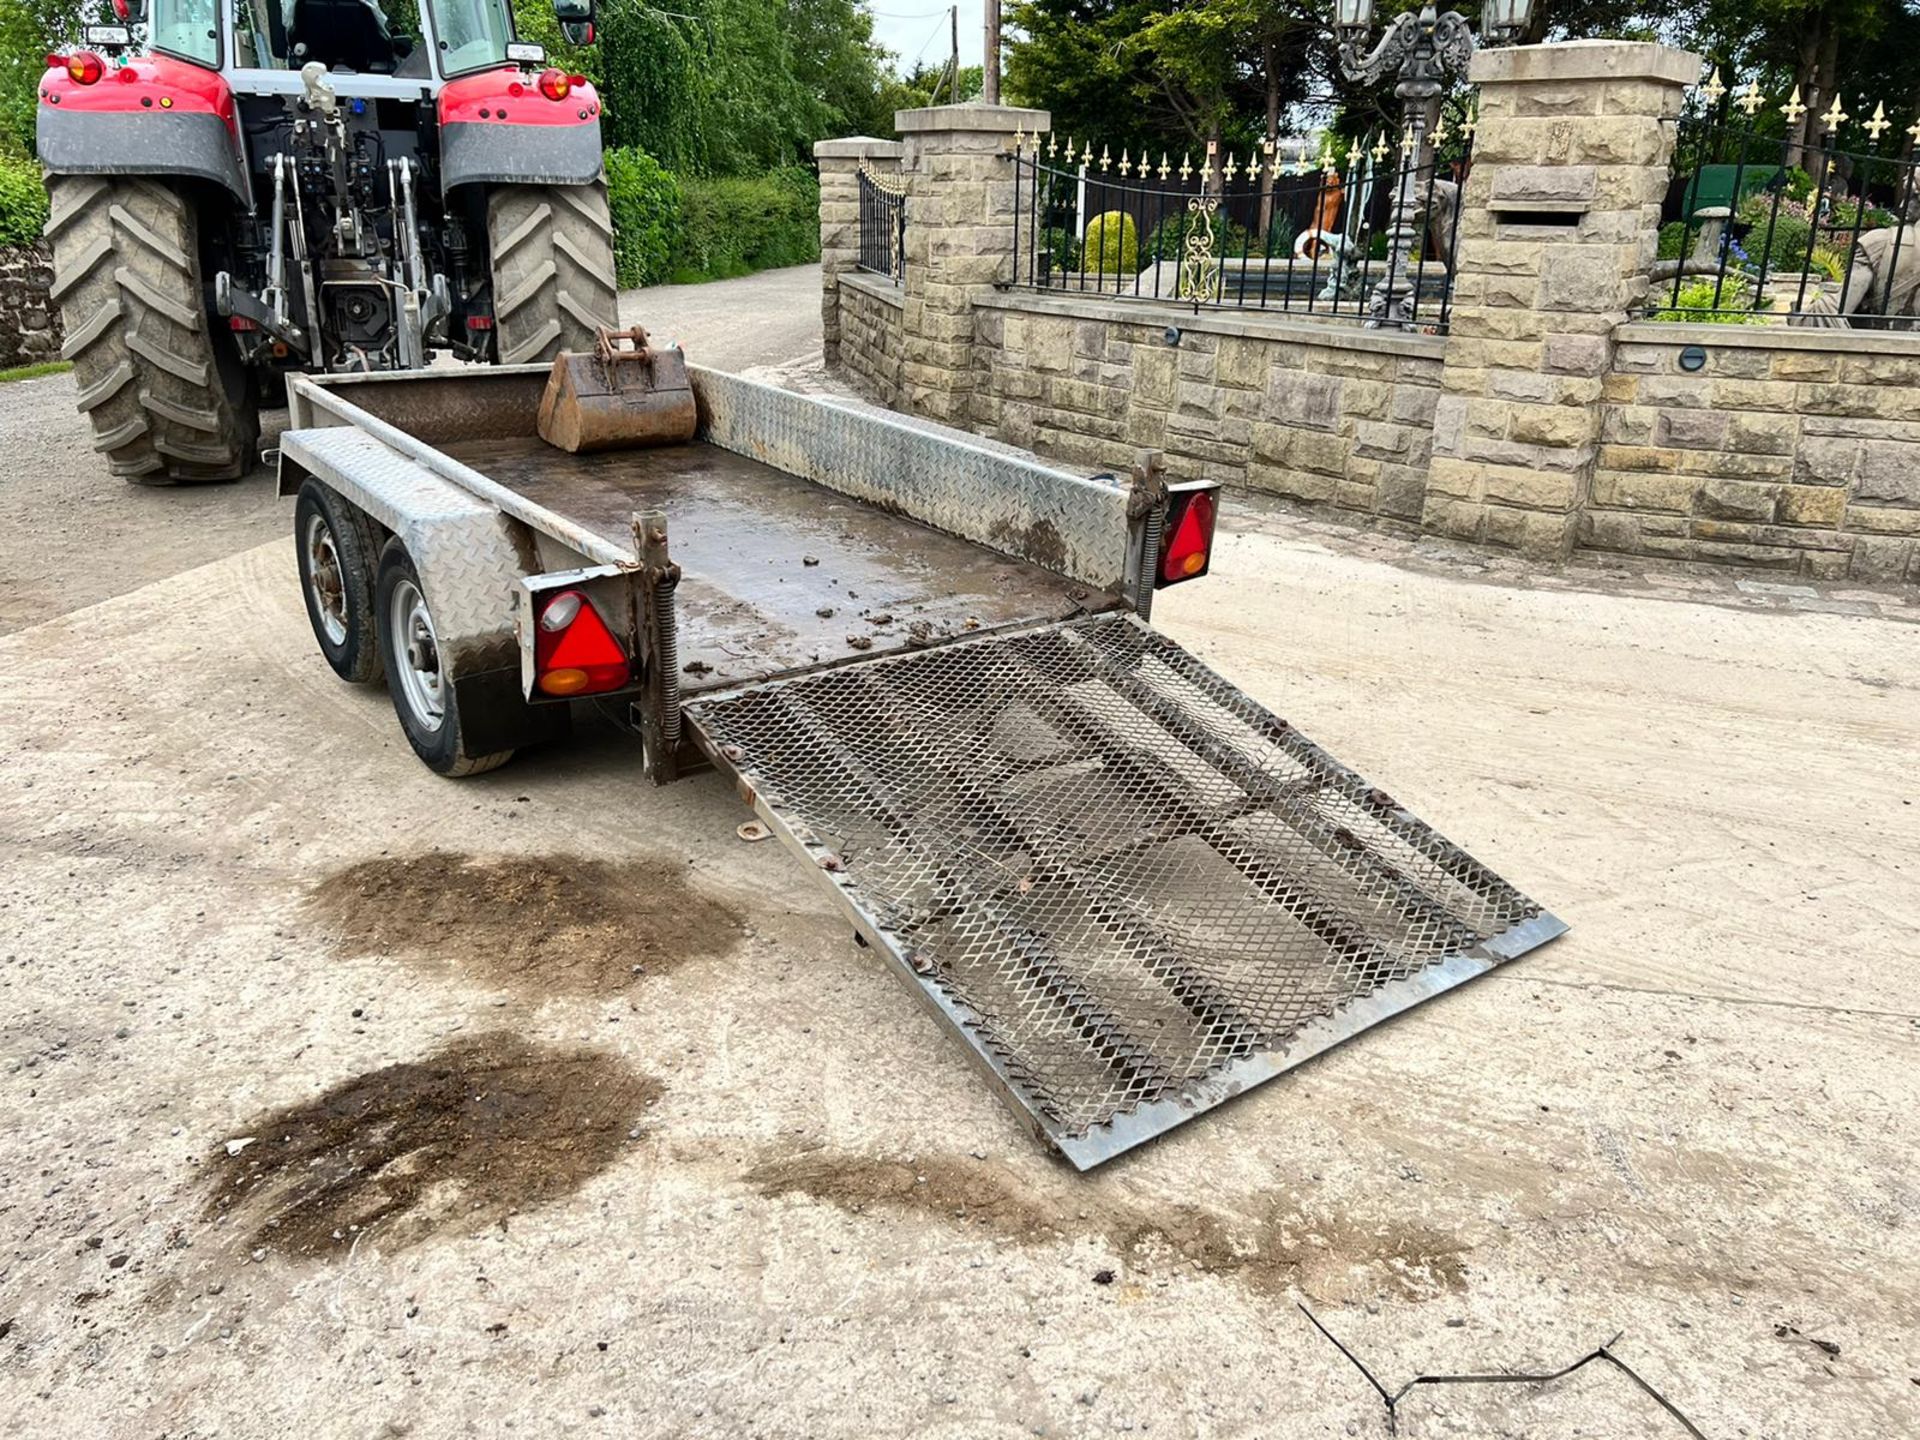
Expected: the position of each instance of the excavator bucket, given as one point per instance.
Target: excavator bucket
(626, 395)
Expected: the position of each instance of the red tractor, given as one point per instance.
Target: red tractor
(243, 188)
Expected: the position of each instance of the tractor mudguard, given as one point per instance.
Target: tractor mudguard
(171, 118)
(499, 128)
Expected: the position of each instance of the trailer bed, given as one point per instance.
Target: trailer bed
(780, 574)
(1130, 890)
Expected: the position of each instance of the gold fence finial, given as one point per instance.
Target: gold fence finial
(1229, 170)
(1126, 162)
(1714, 88)
(1106, 159)
(1793, 109)
(1750, 99)
(1165, 168)
(1835, 116)
(1186, 166)
(1879, 124)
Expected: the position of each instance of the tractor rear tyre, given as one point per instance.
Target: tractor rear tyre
(168, 397)
(552, 248)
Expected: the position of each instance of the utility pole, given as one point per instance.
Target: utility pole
(953, 65)
(990, 74)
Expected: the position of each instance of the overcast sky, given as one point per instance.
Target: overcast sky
(916, 28)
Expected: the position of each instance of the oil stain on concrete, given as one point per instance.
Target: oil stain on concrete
(545, 923)
(1272, 1250)
(478, 1131)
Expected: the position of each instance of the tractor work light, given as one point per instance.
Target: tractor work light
(1187, 546)
(574, 653)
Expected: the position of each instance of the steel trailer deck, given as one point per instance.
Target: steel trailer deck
(1128, 888)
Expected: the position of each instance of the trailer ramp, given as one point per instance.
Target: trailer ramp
(1129, 889)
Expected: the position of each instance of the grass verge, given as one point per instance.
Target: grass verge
(34, 372)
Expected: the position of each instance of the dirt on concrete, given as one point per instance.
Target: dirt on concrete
(539, 923)
(1273, 1249)
(461, 1139)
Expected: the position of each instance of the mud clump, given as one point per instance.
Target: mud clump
(1271, 1250)
(543, 922)
(462, 1139)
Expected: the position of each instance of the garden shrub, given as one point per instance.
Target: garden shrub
(1112, 244)
(1695, 304)
(1779, 239)
(23, 199)
(646, 205)
(1673, 240)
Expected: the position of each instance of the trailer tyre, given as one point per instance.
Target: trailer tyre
(168, 397)
(552, 248)
(337, 545)
(426, 702)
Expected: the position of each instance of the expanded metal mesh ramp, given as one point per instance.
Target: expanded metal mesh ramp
(1132, 891)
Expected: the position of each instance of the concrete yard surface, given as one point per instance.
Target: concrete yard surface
(337, 1099)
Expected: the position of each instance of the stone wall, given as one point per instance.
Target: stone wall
(1323, 413)
(29, 322)
(1546, 420)
(1793, 449)
(870, 335)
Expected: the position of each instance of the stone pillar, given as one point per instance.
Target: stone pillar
(960, 221)
(839, 162)
(1558, 229)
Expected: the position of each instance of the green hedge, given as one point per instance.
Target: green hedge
(739, 224)
(23, 200)
(646, 204)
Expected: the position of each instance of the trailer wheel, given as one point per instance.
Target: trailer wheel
(428, 707)
(168, 397)
(552, 248)
(336, 548)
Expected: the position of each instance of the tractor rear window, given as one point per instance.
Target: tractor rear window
(473, 33)
(354, 36)
(189, 29)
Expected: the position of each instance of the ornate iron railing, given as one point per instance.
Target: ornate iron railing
(883, 223)
(1796, 230)
(1284, 230)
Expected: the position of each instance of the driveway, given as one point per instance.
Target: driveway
(340, 1100)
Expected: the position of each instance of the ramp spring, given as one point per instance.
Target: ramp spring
(1149, 562)
(668, 654)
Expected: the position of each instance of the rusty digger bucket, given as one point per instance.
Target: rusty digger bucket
(626, 395)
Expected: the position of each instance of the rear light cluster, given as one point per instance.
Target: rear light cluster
(574, 653)
(557, 84)
(83, 67)
(1188, 547)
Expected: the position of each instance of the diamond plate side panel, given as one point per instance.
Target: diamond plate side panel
(1073, 526)
(1130, 889)
(470, 556)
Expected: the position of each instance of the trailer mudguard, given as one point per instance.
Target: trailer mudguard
(497, 128)
(470, 558)
(170, 118)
